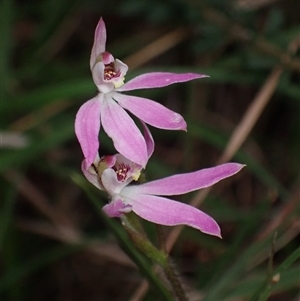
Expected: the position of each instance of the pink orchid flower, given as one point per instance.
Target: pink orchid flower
(108, 107)
(113, 174)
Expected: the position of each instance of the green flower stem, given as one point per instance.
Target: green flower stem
(142, 242)
(161, 238)
(160, 257)
(172, 276)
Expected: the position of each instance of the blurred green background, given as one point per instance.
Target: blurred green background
(55, 242)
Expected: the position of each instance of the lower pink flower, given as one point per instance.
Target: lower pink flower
(145, 199)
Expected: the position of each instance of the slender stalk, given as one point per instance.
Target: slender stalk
(172, 276)
(161, 238)
(160, 257)
(141, 241)
(169, 268)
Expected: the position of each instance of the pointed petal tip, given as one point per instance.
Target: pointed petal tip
(239, 166)
(193, 76)
(231, 168)
(101, 24)
(211, 228)
(182, 122)
(217, 234)
(99, 42)
(198, 75)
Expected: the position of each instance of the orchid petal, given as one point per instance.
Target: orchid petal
(121, 67)
(87, 127)
(98, 73)
(167, 212)
(116, 208)
(126, 137)
(158, 80)
(152, 112)
(183, 183)
(99, 42)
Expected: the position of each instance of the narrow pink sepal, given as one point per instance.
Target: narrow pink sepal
(87, 127)
(99, 42)
(158, 80)
(167, 212)
(184, 183)
(152, 112)
(126, 136)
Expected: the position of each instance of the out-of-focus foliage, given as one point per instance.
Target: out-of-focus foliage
(55, 242)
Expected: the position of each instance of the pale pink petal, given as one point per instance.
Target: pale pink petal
(116, 208)
(152, 112)
(149, 140)
(99, 42)
(158, 80)
(126, 137)
(110, 182)
(91, 175)
(183, 183)
(167, 212)
(121, 67)
(98, 73)
(87, 127)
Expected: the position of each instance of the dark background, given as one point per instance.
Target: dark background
(55, 242)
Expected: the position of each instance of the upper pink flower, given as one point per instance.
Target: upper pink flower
(107, 108)
(114, 173)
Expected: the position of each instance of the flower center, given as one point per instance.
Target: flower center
(110, 73)
(121, 171)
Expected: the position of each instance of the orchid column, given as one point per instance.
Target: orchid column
(115, 174)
